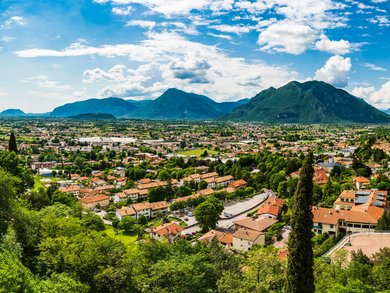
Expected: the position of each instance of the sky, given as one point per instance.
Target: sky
(59, 51)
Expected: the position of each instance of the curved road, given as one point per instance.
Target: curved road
(240, 210)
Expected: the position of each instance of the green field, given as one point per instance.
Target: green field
(128, 239)
(37, 184)
(197, 152)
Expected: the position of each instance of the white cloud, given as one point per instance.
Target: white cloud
(122, 11)
(379, 98)
(340, 47)
(44, 82)
(335, 71)
(17, 20)
(141, 23)
(231, 28)
(166, 59)
(221, 36)
(373, 67)
(379, 1)
(381, 20)
(287, 37)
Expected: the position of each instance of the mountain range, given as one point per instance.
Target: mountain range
(308, 102)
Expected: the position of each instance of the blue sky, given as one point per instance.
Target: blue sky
(55, 52)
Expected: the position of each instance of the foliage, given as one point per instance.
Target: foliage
(207, 213)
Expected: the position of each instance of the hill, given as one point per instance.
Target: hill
(114, 106)
(172, 104)
(13, 113)
(177, 104)
(308, 102)
(93, 116)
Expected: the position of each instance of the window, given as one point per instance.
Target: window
(332, 226)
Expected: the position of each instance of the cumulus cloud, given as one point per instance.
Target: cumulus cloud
(176, 61)
(287, 37)
(335, 71)
(340, 47)
(379, 98)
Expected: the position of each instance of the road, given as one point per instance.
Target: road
(239, 210)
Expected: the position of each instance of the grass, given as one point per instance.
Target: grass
(197, 152)
(37, 184)
(128, 239)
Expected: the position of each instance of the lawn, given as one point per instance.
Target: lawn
(37, 184)
(128, 239)
(197, 152)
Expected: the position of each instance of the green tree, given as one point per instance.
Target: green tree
(300, 260)
(12, 146)
(127, 223)
(8, 185)
(207, 213)
(384, 222)
(93, 222)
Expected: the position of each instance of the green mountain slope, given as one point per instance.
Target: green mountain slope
(114, 106)
(309, 102)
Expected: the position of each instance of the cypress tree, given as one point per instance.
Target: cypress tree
(12, 147)
(300, 277)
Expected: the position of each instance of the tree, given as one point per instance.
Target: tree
(300, 261)
(7, 198)
(12, 146)
(93, 222)
(207, 213)
(384, 222)
(127, 223)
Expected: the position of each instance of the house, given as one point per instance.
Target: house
(271, 208)
(142, 209)
(158, 207)
(167, 231)
(259, 224)
(73, 189)
(244, 239)
(223, 181)
(224, 239)
(320, 175)
(90, 202)
(238, 183)
(361, 182)
(125, 212)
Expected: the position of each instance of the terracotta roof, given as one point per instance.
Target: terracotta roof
(361, 179)
(238, 183)
(211, 235)
(96, 198)
(168, 229)
(247, 234)
(126, 211)
(257, 225)
(268, 209)
(141, 206)
(226, 239)
(159, 205)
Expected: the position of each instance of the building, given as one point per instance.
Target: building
(354, 211)
(361, 182)
(125, 212)
(244, 239)
(224, 239)
(167, 231)
(272, 208)
(73, 189)
(259, 224)
(90, 202)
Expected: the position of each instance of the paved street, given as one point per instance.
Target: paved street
(239, 209)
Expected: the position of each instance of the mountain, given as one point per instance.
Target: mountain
(387, 111)
(12, 113)
(93, 116)
(172, 104)
(308, 102)
(114, 106)
(177, 104)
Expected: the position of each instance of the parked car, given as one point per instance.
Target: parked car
(228, 214)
